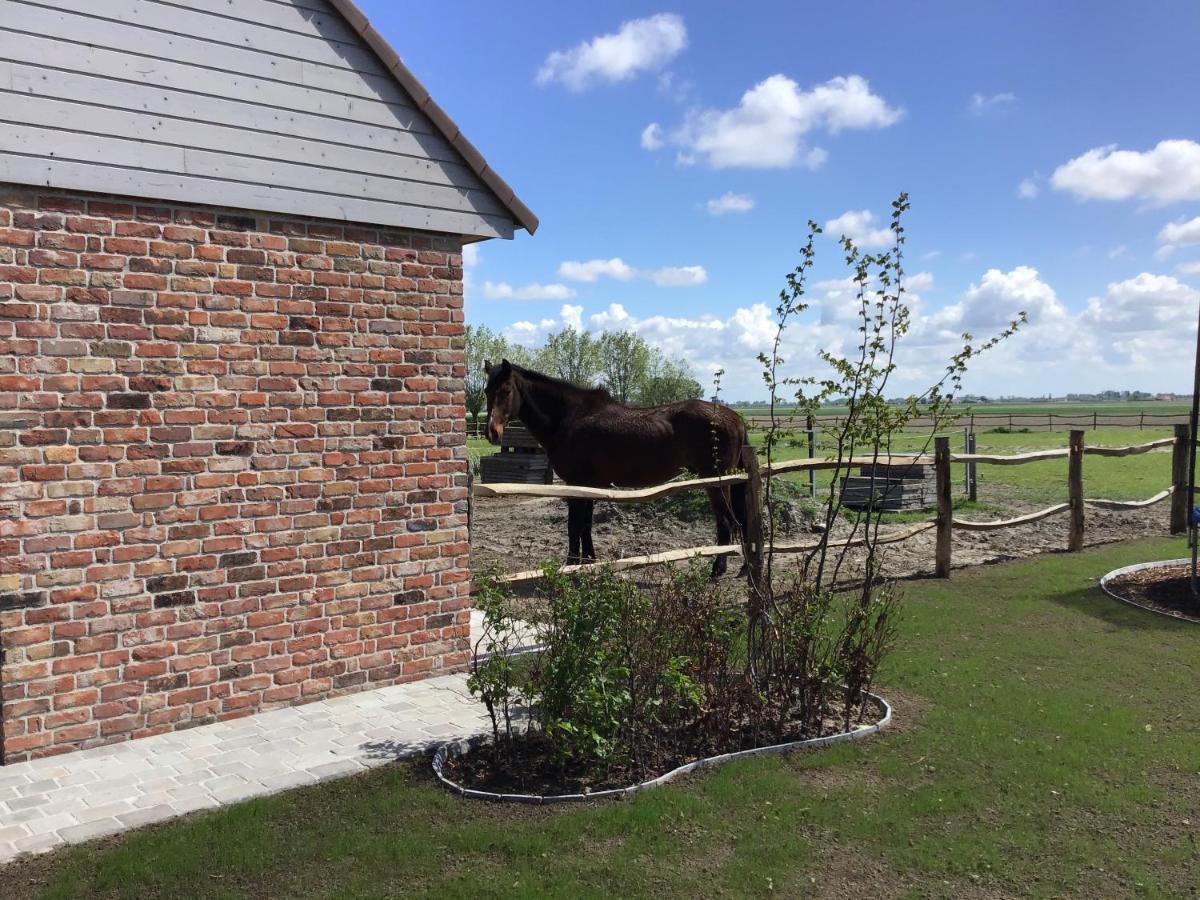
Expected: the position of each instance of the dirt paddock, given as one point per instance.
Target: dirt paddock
(517, 535)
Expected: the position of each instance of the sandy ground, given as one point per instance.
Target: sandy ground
(519, 534)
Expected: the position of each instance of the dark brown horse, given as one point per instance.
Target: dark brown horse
(594, 441)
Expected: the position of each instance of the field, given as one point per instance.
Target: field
(1041, 749)
(1079, 409)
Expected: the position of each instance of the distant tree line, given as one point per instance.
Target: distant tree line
(620, 361)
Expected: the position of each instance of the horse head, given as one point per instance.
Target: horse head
(503, 399)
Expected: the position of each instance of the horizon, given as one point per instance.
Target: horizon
(674, 153)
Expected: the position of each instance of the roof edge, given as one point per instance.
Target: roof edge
(439, 117)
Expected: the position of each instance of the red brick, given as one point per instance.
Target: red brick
(218, 569)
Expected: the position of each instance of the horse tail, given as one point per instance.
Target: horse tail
(741, 492)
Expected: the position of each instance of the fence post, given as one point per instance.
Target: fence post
(812, 453)
(1093, 420)
(1179, 477)
(945, 511)
(1075, 490)
(752, 538)
(973, 468)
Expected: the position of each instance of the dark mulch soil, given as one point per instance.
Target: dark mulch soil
(1166, 590)
(531, 767)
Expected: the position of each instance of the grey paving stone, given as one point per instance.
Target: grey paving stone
(35, 843)
(147, 816)
(95, 792)
(336, 769)
(89, 830)
(26, 802)
(13, 832)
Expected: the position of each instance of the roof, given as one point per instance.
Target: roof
(438, 116)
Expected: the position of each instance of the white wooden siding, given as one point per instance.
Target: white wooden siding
(275, 105)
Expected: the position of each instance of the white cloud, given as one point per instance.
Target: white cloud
(729, 202)
(640, 45)
(1167, 173)
(920, 281)
(502, 290)
(1118, 251)
(1139, 333)
(673, 87)
(1144, 303)
(1189, 268)
(859, 226)
(652, 137)
(995, 301)
(932, 254)
(594, 269)
(678, 276)
(616, 268)
(767, 128)
(470, 255)
(981, 104)
(1177, 234)
(1027, 189)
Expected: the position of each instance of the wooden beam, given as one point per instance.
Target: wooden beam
(671, 556)
(1179, 479)
(1015, 459)
(616, 495)
(1025, 519)
(1129, 451)
(1135, 504)
(883, 459)
(1075, 490)
(945, 507)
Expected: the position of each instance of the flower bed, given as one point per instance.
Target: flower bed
(1161, 587)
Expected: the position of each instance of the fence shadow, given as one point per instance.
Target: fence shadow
(1094, 603)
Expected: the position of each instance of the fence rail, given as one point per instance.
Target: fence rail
(944, 522)
(1048, 421)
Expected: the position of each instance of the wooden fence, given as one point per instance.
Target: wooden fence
(944, 522)
(983, 421)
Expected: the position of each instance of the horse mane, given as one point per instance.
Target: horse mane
(595, 394)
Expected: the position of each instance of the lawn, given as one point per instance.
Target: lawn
(1045, 746)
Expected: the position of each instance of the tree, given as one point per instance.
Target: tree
(570, 355)
(625, 360)
(481, 344)
(668, 382)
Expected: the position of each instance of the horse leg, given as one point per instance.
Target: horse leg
(586, 548)
(574, 513)
(718, 498)
(738, 496)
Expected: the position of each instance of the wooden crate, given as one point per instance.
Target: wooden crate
(521, 459)
(895, 488)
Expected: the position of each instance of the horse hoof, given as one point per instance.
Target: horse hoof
(718, 568)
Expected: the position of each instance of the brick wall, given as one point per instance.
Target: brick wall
(232, 464)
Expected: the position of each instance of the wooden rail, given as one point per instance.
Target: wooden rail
(1025, 519)
(668, 556)
(945, 522)
(1132, 504)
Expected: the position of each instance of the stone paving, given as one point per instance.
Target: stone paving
(92, 793)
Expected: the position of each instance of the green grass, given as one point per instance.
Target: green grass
(1045, 482)
(1045, 746)
(1080, 409)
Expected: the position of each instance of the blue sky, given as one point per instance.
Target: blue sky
(999, 119)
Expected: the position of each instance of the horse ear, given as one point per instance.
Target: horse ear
(487, 367)
(505, 366)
